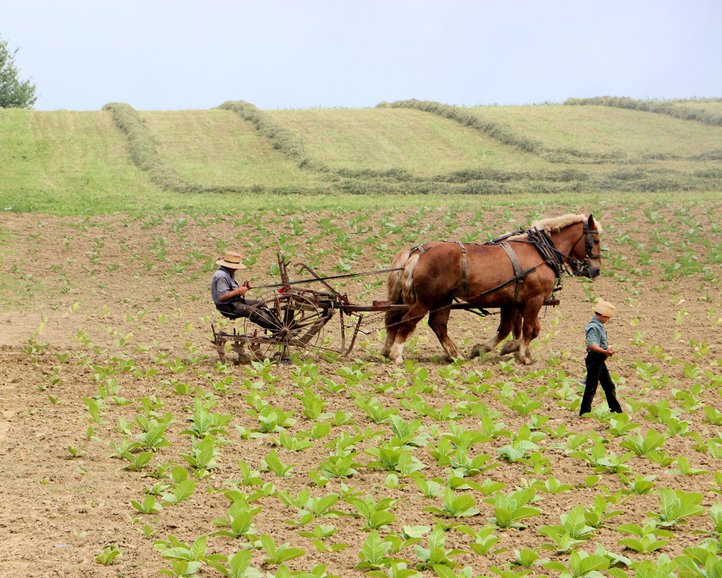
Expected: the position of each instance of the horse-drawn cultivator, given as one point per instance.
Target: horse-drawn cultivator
(517, 273)
(301, 316)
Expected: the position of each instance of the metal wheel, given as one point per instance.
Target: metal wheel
(286, 324)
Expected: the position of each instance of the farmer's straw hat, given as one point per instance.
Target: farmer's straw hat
(232, 260)
(604, 308)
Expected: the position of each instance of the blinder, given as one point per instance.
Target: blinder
(584, 267)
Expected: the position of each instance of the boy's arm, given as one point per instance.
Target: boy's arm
(593, 340)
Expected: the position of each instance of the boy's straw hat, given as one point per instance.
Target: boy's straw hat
(604, 308)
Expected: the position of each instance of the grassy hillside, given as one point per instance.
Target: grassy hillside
(52, 158)
(121, 159)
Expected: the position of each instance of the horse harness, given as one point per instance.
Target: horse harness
(553, 258)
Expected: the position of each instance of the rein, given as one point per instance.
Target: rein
(316, 279)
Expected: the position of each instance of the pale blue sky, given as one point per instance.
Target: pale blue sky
(183, 54)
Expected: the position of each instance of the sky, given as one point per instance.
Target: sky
(291, 54)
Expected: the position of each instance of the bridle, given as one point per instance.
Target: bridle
(579, 266)
(561, 262)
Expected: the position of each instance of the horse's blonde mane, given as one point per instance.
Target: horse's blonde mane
(557, 223)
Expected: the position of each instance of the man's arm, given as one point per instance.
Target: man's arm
(239, 291)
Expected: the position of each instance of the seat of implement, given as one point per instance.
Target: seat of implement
(228, 315)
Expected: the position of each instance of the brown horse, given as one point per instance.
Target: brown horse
(516, 273)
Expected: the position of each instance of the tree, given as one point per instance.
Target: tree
(13, 92)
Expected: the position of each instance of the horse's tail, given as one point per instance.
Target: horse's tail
(395, 280)
(407, 287)
(400, 284)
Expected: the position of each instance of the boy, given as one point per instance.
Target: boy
(596, 361)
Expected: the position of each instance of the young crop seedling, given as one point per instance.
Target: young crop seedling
(646, 539)
(375, 514)
(149, 505)
(572, 531)
(338, 466)
(186, 560)
(436, 554)
(236, 565)
(182, 486)
(455, 506)
(580, 565)
(137, 461)
(206, 422)
(484, 538)
(602, 461)
(108, 555)
(647, 446)
(278, 554)
(202, 456)
(240, 519)
(511, 509)
(293, 444)
(274, 464)
(395, 460)
(675, 506)
(374, 553)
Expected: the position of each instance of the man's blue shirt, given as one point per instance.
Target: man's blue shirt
(221, 284)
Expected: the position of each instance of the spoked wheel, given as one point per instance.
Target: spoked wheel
(284, 325)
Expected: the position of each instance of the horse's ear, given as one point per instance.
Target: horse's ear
(590, 222)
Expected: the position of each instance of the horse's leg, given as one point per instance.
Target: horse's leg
(393, 318)
(530, 330)
(513, 345)
(505, 325)
(438, 321)
(405, 327)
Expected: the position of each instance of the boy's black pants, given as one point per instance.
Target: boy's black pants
(597, 373)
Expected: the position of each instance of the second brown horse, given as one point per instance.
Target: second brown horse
(516, 273)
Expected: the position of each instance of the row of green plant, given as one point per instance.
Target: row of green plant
(676, 109)
(460, 459)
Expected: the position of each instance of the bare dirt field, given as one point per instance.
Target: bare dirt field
(105, 326)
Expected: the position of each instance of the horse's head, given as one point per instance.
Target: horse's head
(585, 257)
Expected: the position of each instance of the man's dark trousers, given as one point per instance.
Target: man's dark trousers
(597, 373)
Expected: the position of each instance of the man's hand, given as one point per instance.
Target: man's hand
(247, 284)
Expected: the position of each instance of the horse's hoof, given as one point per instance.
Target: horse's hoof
(509, 347)
(398, 360)
(475, 352)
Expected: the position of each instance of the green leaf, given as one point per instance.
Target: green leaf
(375, 549)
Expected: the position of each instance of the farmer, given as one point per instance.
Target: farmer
(229, 297)
(596, 361)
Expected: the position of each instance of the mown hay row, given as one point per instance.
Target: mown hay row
(669, 108)
(144, 153)
(143, 149)
(281, 139)
(505, 135)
